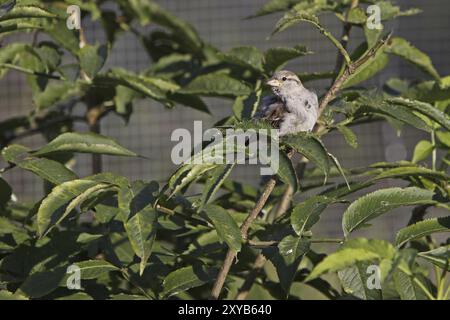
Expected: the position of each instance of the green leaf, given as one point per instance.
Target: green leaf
(439, 256)
(312, 148)
(9, 53)
(5, 192)
(93, 269)
(50, 54)
(423, 150)
(219, 85)
(372, 35)
(187, 174)
(6, 295)
(247, 57)
(286, 171)
(341, 259)
(355, 16)
(381, 201)
(292, 18)
(406, 287)
(425, 109)
(402, 48)
(56, 92)
(47, 169)
(410, 171)
(306, 214)
(293, 247)
(76, 296)
(368, 69)
(443, 137)
(214, 182)
(84, 143)
(354, 281)
(276, 58)
(68, 39)
(186, 278)
(353, 251)
(226, 227)
(389, 10)
(190, 100)
(92, 59)
(151, 12)
(273, 6)
(422, 229)
(349, 135)
(299, 14)
(58, 204)
(152, 87)
(39, 284)
(338, 166)
(141, 230)
(26, 12)
(245, 107)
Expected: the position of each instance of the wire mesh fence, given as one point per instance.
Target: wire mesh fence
(223, 24)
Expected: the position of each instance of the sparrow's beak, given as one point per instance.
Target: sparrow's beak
(273, 83)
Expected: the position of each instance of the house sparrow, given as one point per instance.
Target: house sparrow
(293, 108)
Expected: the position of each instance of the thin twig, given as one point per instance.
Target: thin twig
(231, 254)
(345, 36)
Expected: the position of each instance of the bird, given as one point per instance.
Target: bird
(7, 7)
(292, 108)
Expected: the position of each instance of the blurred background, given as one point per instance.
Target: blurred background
(223, 24)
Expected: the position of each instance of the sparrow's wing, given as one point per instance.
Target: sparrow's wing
(312, 99)
(7, 7)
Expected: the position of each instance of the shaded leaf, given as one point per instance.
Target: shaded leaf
(247, 57)
(216, 85)
(84, 143)
(214, 182)
(92, 59)
(423, 150)
(425, 109)
(312, 148)
(306, 214)
(141, 230)
(402, 48)
(355, 279)
(353, 251)
(422, 229)
(276, 58)
(186, 278)
(439, 256)
(55, 207)
(50, 170)
(226, 227)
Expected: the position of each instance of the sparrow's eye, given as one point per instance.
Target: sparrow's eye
(284, 78)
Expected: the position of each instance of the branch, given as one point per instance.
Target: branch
(231, 254)
(328, 97)
(345, 35)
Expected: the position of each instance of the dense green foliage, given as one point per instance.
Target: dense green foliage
(150, 241)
